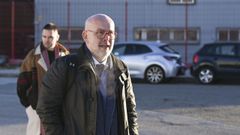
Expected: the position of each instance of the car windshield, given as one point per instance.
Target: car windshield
(168, 49)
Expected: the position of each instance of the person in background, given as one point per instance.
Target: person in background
(100, 100)
(32, 70)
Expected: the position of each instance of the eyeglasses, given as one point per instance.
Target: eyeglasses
(102, 33)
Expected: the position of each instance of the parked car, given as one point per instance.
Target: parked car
(3, 59)
(152, 61)
(216, 60)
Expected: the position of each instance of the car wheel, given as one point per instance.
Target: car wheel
(154, 75)
(206, 75)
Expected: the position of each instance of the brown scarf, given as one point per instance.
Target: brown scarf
(46, 56)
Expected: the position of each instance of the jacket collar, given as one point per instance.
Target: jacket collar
(41, 61)
(85, 57)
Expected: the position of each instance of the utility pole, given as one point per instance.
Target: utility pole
(68, 22)
(13, 30)
(186, 34)
(126, 20)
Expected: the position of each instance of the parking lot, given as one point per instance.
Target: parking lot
(190, 108)
(179, 107)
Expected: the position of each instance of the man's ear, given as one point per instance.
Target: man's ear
(58, 37)
(84, 35)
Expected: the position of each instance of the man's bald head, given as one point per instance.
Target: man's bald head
(98, 19)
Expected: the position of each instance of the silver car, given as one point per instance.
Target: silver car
(152, 61)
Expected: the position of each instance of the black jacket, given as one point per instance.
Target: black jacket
(73, 111)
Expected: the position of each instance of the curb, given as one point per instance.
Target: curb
(8, 75)
(9, 72)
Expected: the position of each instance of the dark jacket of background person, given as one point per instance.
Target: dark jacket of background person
(74, 111)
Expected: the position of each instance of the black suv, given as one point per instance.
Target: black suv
(216, 60)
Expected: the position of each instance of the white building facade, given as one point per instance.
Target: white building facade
(165, 20)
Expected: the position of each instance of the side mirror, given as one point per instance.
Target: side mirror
(116, 53)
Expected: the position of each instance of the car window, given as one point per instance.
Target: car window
(140, 49)
(168, 49)
(130, 49)
(137, 49)
(227, 50)
(209, 50)
(119, 49)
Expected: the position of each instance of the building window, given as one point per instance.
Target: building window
(73, 39)
(75, 35)
(193, 35)
(152, 35)
(234, 34)
(228, 34)
(164, 35)
(223, 35)
(169, 35)
(181, 1)
(138, 34)
(178, 35)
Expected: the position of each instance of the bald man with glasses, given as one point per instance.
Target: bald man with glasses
(100, 100)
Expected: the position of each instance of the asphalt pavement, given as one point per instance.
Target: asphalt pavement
(169, 109)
